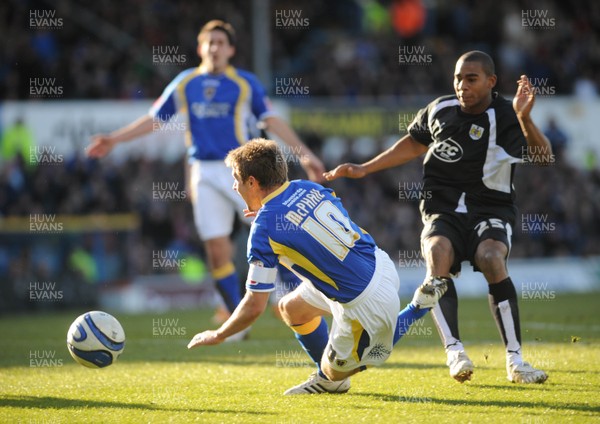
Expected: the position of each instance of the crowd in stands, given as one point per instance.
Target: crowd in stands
(345, 48)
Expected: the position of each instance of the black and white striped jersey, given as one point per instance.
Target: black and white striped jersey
(470, 163)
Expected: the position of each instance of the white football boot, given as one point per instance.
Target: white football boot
(317, 385)
(429, 293)
(525, 373)
(461, 367)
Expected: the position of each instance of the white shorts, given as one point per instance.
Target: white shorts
(214, 201)
(362, 330)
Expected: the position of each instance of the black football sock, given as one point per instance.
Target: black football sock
(503, 304)
(445, 316)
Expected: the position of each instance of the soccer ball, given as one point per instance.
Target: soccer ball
(96, 339)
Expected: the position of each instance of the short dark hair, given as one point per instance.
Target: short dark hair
(261, 159)
(478, 56)
(218, 25)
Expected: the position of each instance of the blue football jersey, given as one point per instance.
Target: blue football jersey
(304, 226)
(219, 108)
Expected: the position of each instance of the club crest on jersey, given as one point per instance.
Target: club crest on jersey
(209, 92)
(476, 132)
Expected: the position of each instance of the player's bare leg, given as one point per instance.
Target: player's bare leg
(490, 257)
(439, 257)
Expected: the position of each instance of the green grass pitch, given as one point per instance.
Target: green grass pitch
(157, 380)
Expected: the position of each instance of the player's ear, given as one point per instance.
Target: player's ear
(492, 80)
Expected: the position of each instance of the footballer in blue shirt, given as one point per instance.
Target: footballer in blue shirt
(221, 105)
(304, 226)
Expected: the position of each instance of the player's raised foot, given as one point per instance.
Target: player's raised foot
(317, 385)
(525, 373)
(461, 367)
(429, 293)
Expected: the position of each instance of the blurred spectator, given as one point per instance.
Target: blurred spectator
(558, 139)
(17, 140)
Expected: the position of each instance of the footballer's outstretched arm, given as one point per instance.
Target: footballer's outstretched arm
(312, 165)
(405, 150)
(522, 104)
(102, 144)
(250, 308)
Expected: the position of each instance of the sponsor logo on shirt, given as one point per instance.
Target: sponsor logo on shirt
(448, 150)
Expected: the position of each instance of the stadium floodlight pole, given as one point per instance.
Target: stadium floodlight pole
(261, 40)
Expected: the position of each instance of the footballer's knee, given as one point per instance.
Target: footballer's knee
(438, 246)
(296, 311)
(439, 255)
(491, 256)
(290, 311)
(282, 305)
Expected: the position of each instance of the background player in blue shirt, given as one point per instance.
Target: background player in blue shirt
(472, 141)
(220, 104)
(304, 226)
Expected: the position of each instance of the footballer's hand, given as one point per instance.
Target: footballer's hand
(206, 338)
(348, 170)
(101, 146)
(314, 168)
(249, 214)
(525, 97)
